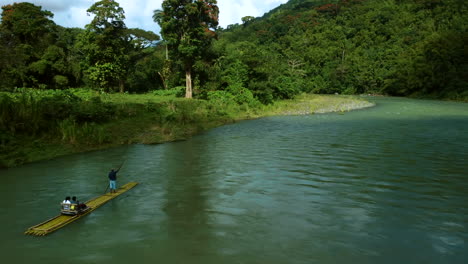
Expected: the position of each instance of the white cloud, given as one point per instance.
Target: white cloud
(53, 5)
(139, 13)
(231, 12)
(74, 17)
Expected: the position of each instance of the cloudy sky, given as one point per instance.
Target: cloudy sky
(72, 13)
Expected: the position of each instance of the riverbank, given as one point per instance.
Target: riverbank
(138, 119)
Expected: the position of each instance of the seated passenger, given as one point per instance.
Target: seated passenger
(75, 205)
(67, 200)
(66, 204)
(79, 205)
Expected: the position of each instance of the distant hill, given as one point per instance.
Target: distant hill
(395, 47)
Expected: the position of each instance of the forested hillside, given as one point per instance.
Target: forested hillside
(394, 47)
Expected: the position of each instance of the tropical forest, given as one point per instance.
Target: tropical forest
(68, 86)
(321, 131)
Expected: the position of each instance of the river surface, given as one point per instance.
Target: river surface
(388, 184)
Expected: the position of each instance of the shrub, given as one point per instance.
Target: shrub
(184, 111)
(176, 92)
(263, 91)
(221, 98)
(242, 95)
(6, 112)
(60, 81)
(87, 133)
(160, 110)
(58, 107)
(222, 103)
(93, 110)
(180, 91)
(287, 87)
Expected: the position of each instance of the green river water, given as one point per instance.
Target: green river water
(388, 184)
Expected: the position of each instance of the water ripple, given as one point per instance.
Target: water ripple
(384, 185)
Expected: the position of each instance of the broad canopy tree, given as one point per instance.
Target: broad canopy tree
(188, 27)
(111, 49)
(26, 21)
(26, 32)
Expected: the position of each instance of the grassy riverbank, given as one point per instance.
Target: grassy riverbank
(43, 126)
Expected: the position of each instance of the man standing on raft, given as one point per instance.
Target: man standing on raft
(113, 180)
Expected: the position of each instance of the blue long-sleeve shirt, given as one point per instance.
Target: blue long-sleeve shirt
(113, 175)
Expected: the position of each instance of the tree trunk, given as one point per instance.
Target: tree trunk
(163, 80)
(167, 53)
(121, 86)
(188, 82)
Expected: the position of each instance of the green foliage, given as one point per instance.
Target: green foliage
(105, 46)
(21, 113)
(242, 95)
(6, 113)
(93, 110)
(26, 32)
(221, 98)
(32, 112)
(395, 47)
(350, 47)
(187, 27)
(287, 87)
(107, 55)
(68, 130)
(60, 80)
(222, 103)
(57, 106)
(81, 119)
(105, 75)
(175, 92)
(35, 50)
(87, 133)
(26, 22)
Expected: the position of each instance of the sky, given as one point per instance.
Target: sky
(139, 13)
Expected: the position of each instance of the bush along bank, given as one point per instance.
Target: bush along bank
(37, 125)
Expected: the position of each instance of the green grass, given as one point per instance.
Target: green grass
(137, 98)
(124, 98)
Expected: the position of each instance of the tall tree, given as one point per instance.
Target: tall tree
(105, 45)
(26, 31)
(188, 28)
(26, 21)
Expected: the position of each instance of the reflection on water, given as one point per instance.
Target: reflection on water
(381, 185)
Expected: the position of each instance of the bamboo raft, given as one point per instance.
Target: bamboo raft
(60, 221)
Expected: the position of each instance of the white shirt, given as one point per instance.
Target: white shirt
(66, 202)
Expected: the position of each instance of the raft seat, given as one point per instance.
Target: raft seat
(69, 209)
